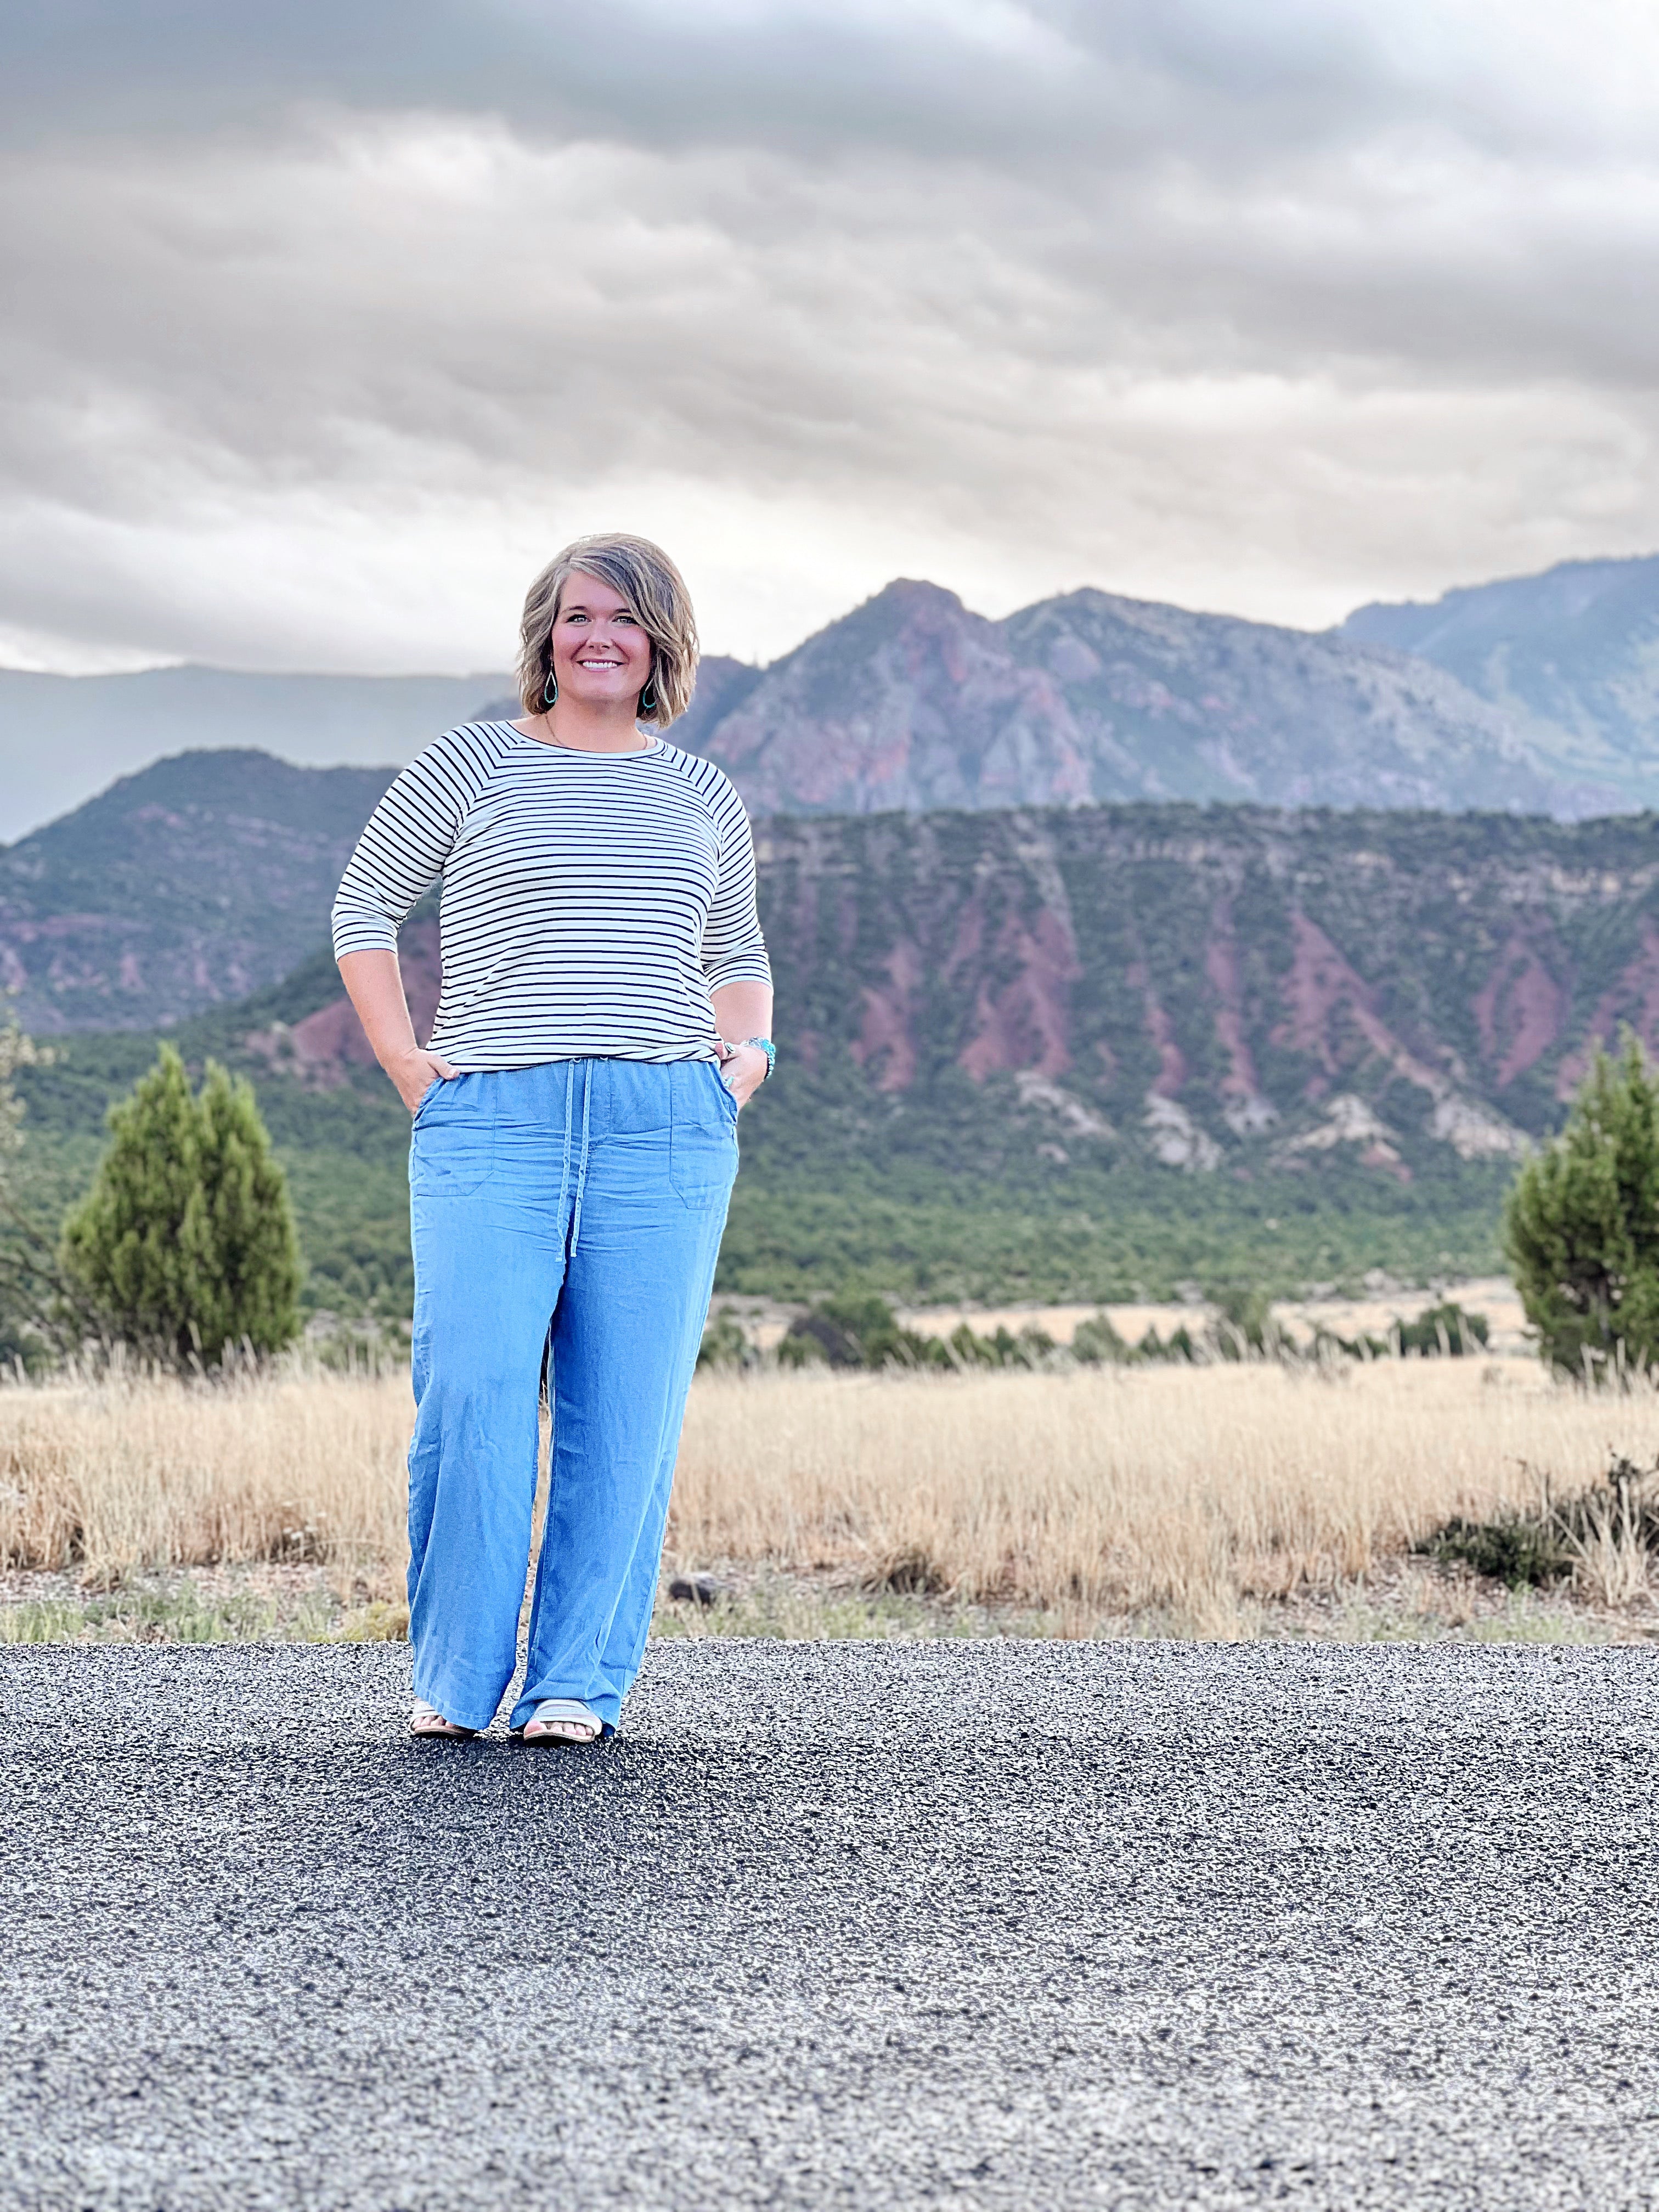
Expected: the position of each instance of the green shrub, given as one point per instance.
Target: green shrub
(1520, 1549)
(1182, 1344)
(1445, 1329)
(1096, 1343)
(1244, 1323)
(858, 1328)
(1582, 1223)
(725, 1345)
(186, 1244)
(852, 1329)
(1327, 1345)
(1003, 1348)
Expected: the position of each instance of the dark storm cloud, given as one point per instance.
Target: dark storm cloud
(1209, 78)
(654, 74)
(322, 320)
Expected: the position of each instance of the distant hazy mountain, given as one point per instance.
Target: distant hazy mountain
(1537, 696)
(64, 738)
(911, 703)
(1573, 655)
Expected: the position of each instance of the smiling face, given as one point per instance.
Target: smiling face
(600, 654)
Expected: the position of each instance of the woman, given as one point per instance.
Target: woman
(606, 1011)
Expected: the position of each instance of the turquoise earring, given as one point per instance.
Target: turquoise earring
(550, 690)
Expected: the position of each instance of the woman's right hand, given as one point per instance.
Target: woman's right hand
(415, 1073)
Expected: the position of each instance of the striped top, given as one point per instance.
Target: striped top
(591, 900)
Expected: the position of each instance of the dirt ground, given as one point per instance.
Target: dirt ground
(1402, 1599)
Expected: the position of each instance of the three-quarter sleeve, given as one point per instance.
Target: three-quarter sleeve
(592, 901)
(733, 949)
(402, 852)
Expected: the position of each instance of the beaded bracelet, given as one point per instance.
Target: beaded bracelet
(767, 1046)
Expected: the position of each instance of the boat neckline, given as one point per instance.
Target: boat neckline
(583, 752)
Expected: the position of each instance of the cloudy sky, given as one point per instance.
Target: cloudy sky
(328, 323)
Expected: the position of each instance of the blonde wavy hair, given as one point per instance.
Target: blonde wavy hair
(642, 574)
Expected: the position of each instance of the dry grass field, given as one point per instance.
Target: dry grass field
(1187, 1500)
(1184, 1494)
(112, 1476)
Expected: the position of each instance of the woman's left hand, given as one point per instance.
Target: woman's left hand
(743, 1070)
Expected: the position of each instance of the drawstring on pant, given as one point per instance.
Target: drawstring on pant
(581, 1157)
(570, 1067)
(564, 1161)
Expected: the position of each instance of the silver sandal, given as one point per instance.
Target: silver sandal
(563, 1720)
(425, 1720)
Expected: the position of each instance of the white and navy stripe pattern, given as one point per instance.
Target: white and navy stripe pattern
(591, 900)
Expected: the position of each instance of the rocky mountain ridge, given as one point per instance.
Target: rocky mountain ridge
(1211, 986)
(913, 703)
(1234, 990)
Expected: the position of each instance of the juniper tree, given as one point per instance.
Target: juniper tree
(185, 1243)
(1582, 1223)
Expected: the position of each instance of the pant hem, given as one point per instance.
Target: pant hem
(459, 1707)
(606, 1708)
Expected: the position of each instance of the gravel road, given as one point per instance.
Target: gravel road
(855, 1925)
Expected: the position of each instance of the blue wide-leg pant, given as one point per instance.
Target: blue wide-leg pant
(573, 1209)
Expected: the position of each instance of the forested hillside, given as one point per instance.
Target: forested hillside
(1072, 1051)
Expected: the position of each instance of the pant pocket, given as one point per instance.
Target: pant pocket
(452, 1144)
(702, 1141)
